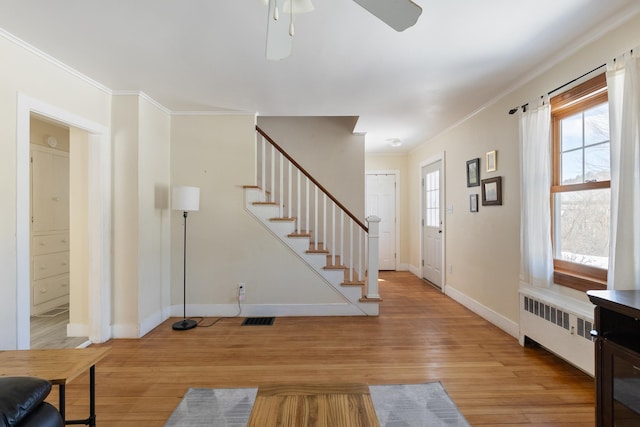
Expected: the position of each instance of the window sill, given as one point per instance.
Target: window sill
(578, 282)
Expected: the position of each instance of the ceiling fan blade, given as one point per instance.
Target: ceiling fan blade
(398, 14)
(279, 41)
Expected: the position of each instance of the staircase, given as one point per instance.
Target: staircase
(291, 204)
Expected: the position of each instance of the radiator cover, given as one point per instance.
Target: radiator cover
(558, 328)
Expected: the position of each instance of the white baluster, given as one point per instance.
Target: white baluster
(272, 188)
(306, 195)
(315, 226)
(281, 185)
(372, 277)
(360, 254)
(342, 261)
(324, 221)
(263, 171)
(298, 212)
(351, 263)
(333, 233)
(289, 197)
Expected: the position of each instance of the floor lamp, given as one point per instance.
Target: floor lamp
(185, 199)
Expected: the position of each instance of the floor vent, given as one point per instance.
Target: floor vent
(557, 316)
(258, 321)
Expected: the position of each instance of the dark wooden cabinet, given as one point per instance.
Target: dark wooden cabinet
(617, 332)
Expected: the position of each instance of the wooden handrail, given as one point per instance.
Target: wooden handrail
(312, 179)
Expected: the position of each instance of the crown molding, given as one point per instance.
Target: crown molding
(214, 113)
(34, 50)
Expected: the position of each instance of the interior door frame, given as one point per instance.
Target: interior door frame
(99, 218)
(397, 207)
(439, 157)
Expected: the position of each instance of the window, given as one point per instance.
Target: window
(581, 183)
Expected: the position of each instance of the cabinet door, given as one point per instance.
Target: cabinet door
(50, 192)
(41, 191)
(60, 192)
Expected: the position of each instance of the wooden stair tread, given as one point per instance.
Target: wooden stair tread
(285, 219)
(300, 234)
(366, 299)
(265, 203)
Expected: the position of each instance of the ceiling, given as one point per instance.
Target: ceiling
(209, 55)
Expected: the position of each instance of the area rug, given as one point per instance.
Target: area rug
(403, 405)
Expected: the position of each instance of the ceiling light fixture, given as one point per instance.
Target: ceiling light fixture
(394, 142)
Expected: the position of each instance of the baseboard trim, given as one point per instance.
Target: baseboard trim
(507, 325)
(275, 310)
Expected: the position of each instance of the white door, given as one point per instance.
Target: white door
(381, 202)
(432, 206)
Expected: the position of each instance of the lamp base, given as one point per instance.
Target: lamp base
(184, 325)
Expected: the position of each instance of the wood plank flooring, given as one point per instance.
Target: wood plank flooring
(50, 331)
(420, 335)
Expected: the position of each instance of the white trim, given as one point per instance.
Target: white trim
(282, 310)
(143, 96)
(565, 302)
(439, 157)
(214, 113)
(34, 50)
(507, 325)
(396, 173)
(99, 231)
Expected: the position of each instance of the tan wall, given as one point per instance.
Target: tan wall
(483, 248)
(40, 130)
(26, 73)
(327, 148)
(225, 244)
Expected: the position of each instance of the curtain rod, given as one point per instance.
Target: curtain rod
(514, 110)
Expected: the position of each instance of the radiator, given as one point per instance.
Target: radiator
(562, 330)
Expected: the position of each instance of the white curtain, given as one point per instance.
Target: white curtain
(536, 258)
(623, 82)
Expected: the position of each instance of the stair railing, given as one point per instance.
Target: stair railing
(333, 229)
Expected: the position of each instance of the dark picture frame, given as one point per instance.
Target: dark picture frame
(473, 203)
(492, 191)
(473, 172)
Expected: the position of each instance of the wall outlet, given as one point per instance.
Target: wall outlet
(450, 268)
(241, 291)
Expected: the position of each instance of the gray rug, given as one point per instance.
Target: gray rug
(412, 405)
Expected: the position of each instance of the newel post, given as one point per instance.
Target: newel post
(372, 261)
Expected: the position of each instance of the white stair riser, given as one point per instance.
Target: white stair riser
(300, 245)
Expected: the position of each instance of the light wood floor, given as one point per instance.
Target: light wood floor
(50, 331)
(419, 336)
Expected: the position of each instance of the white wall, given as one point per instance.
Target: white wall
(24, 72)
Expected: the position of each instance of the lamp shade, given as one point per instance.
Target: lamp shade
(186, 199)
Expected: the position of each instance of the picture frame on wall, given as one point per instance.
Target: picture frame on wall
(473, 172)
(492, 191)
(473, 203)
(492, 161)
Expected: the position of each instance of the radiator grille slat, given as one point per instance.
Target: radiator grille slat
(557, 316)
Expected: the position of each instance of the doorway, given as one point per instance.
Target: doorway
(98, 218)
(58, 267)
(382, 201)
(432, 230)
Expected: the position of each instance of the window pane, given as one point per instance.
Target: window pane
(596, 124)
(596, 163)
(572, 167)
(571, 132)
(582, 227)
